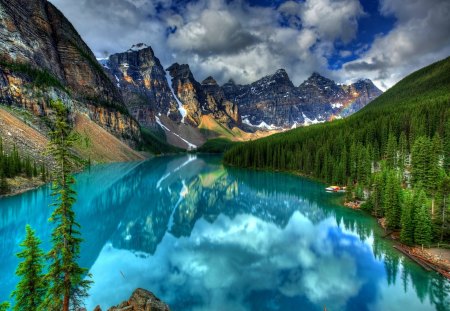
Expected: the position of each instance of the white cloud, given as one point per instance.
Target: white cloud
(232, 39)
(222, 264)
(419, 38)
(333, 19)
(216, 37)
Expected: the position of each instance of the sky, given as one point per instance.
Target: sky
(345, 40)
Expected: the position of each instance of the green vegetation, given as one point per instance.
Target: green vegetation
(12, 164)
(216, 145)
(400, 140)
(154, 142)
(39, 78)
(4, 306)
(66, 283)
(31, 288)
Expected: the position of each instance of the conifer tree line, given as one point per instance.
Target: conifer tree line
(13, 164)
(394, 154)
(54, 281)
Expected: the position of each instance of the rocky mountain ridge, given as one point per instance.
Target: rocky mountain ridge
(183, 103)
(274, 102)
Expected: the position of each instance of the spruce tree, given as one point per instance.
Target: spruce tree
(423, 226)
(407, 231)
(30, 290)
(402, 154)
(391, 201)
(391, 151)
(4, 187)
(4, 306)
(67, 286)
(420, 160)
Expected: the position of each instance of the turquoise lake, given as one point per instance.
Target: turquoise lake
(205, 237)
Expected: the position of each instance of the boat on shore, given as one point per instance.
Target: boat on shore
(335, 189)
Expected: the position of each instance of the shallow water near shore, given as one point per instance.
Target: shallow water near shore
(205, 237)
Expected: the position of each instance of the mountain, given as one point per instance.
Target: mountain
(188, 112)
(142, 80)
(274, 102)
(43, 58)
(198, 99)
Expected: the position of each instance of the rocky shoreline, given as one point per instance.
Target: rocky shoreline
(424, 257)
(21, 184)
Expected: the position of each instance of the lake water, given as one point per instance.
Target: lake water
(204, 237)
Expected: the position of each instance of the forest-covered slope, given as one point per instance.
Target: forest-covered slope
(400, 139)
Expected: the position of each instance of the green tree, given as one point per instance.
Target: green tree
(391, 151)
(444, 189)
(420, 160)
(67, 286)
(391, 200)
(423, 226)
(4, 306)
(433, 173)
(402, 154)
(4, 187)
(31, 288)
(407, 231)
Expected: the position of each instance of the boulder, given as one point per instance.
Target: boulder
(141, 300)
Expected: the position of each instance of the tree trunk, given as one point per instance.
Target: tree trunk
(66, 292)
(432, 208)
(443, 220)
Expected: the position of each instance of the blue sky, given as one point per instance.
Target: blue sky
(345, 40)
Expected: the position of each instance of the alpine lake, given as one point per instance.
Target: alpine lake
(202, 236)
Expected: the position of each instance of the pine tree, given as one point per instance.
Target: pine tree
(391, 151)
(433, 173)
(30, 290)
(4, 187)
(4, 306)
(420, 160)
(391, 201)
(423, 227)
(67, 287)
(407, 231)
(444, 216)
(349, 192)
(446, 145)
(402, 154)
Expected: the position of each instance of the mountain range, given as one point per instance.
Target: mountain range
(271, 103)
(117, 102)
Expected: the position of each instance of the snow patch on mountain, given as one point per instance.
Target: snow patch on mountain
(180, 105)
(165, 128)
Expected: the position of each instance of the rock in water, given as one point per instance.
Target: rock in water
(140, 300)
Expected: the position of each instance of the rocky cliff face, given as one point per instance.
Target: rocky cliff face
(274, 102)
(206, 98)
(43, 58)
(142, 80)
